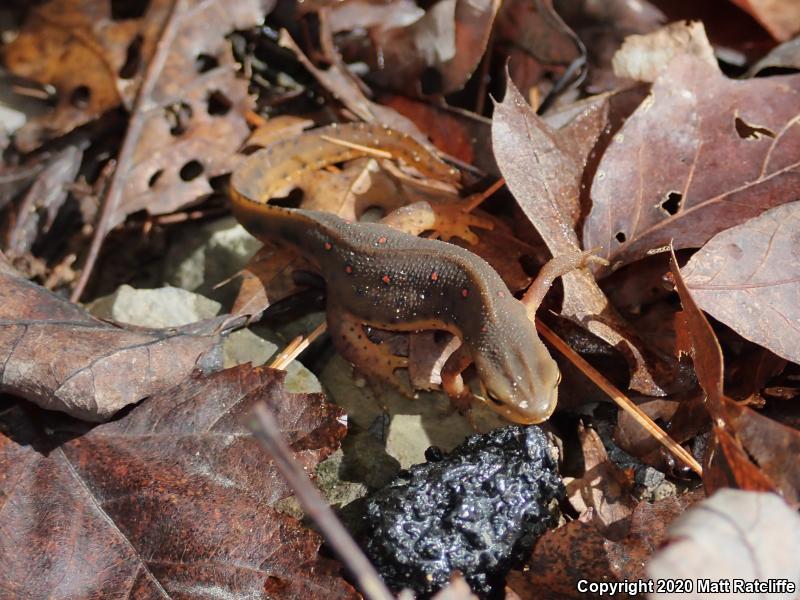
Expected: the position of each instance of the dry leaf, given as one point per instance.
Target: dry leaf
(357, 14)
(437, 53)
(748, 277)
(544, 176)
(667, 175)
(604, 489)
(537, 29)
(780, 17)
(731, 536)
(643, 57)
(772, 446)
(76, 46)
(174, 500)
(291, 161)
(57, 356)
(602, 27)
(340, 82)
(577, 551)
(38, 209)
(463, 135)
(785, 56)
(190, 121)
(748, 451)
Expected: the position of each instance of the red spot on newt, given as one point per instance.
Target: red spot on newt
(465, 292)
(434, 276)
(501, 293)
(386, 279)
(348, 269)
(328, 246)
(381, 240)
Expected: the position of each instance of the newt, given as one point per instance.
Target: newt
(381, 277)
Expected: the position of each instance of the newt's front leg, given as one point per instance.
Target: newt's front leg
(552, 270)
(453, 382)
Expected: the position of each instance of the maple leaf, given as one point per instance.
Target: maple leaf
(175, 499)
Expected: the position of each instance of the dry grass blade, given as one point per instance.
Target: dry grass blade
(476, 200)
(619, 398)
(376, 152)
(296, 347)
(314, 505)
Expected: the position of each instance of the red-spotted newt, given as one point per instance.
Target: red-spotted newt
(381, 277)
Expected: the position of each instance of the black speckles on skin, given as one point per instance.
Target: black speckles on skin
(479, 511)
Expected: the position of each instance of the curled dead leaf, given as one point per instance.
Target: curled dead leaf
(750, 536)
(643, 57)
(57, 356)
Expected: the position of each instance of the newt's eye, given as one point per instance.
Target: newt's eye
(494, 398)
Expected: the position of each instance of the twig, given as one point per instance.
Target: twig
(114, 192)
(369, 582)
(621, 399)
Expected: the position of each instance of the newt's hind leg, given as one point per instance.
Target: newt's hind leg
(374, 360)
(446, 219)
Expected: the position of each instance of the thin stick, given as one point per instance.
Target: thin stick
(365, 149)
(296, 347)
(114, 191)
(477, 199)
(621, 399)
(369, 582)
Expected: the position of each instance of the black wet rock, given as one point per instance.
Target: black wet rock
(478, 511)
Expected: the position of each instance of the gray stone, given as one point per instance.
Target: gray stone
(157, 308)
(414, 424)
(244, 346)
(201, 258)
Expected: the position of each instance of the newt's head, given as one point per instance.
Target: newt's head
(520, 376)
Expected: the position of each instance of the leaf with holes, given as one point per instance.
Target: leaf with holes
(191, 122)
(702, 153)
(57, 356)
(174, 500)
(87, 51)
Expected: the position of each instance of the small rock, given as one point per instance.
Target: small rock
(414, 424)
(202, 257)
(244, 346)
(158, 308)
